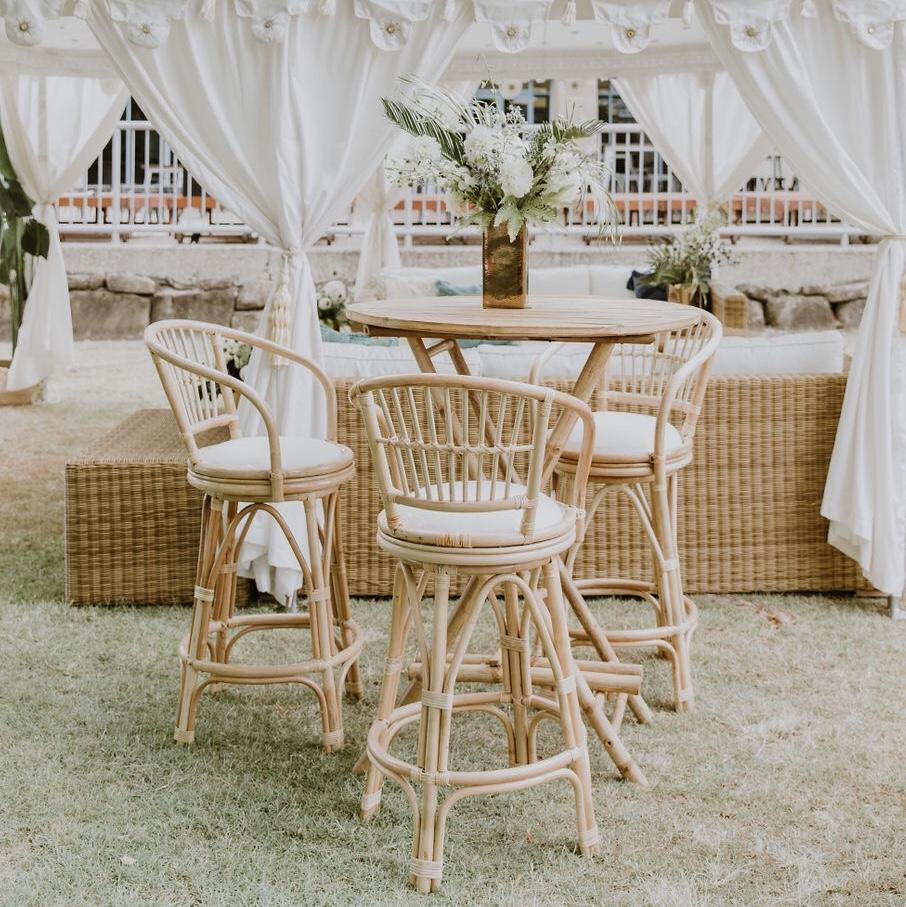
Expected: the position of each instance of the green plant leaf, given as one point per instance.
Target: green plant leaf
(14, 201)
(35, 239)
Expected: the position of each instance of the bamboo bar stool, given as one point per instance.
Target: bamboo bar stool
(644, 430)
(241, 477)
(456, 503)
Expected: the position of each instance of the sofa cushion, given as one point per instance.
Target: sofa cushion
(354, 361)
(813, 353)
(559, 281)
(779, 353)
(610, 281)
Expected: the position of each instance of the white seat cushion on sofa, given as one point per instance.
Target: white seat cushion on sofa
(812, 353)
(623, 436)
(610, 281)
(478, 528)
(299, 455)
(359, 360)
(781, 353)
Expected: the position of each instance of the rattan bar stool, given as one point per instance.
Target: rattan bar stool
(644, 432)
(241, 477)
(457, 503)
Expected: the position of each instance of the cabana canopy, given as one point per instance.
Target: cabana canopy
(820, 77)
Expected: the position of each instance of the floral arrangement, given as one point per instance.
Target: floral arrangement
(690, 258)
(237, 355)
(497, 169)
(333, 294)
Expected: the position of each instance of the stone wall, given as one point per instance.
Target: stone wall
(807, 307)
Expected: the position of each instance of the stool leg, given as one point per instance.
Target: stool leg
(198, 633)
(671, 588)
(570, 716)
(427, 864)
(225, 595)
(519, 672)
(340, 598)
(322, 631)
(399, 633)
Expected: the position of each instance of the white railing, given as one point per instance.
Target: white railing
(139, 186)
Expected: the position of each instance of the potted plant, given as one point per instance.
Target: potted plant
(22, 238)
(501, 175)
(685, 264)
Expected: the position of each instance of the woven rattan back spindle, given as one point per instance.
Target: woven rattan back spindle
(462, 445)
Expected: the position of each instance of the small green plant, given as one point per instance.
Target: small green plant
(22, 237)
(690, 258)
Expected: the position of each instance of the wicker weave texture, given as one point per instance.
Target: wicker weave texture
(749, 514)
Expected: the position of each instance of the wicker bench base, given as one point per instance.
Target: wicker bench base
(749, 511)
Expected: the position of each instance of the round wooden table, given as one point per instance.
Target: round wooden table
(433, 325)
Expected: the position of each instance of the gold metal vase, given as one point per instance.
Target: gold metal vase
(504, 268)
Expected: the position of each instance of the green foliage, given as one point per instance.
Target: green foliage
(22, 238)
(417, 124)
(689, 259)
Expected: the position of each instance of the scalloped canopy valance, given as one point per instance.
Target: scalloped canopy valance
(146, 23)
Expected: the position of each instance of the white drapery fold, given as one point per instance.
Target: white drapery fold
(54, 127)
(373, 209)
(828, 103)
(701, 125)
(286, 148)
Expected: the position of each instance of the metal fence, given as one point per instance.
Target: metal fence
(138, 186)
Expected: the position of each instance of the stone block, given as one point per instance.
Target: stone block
(138, 284)
(800, 313)
(253, 295)
(215, 306)
(85, 281)
(215, 283)
(247, 321)
(103, 315)
(850, 313)
(756, 314)
(757, 291)
(848, 292)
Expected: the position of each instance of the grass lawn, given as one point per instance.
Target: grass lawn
(787, 785)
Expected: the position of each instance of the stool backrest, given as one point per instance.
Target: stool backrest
(667, 377)
(465, 445)
(190, 359)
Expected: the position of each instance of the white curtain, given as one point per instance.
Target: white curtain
(702, 127)
(54, 127)
(830, 100)
(373, 209)
(284, 133)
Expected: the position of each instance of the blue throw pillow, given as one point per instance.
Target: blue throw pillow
(445, 288)
(329, 335)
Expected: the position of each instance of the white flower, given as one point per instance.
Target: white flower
(516, 176)
(336, 290)
(563, 186)
(425, 150)
(243, 372)
(481, 144)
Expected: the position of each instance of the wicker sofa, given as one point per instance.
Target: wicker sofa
(750, 502)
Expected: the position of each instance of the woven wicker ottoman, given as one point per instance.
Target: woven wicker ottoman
(132, 520)
(749, 521)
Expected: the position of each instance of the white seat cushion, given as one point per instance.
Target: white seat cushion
(610, 281)
(301, 456)
(559, 281)
(487, 528)
(359, 360)
(623, 436)
(781, 353)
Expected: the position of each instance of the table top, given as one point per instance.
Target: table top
(577, 318)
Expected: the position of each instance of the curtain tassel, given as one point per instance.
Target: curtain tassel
(449, 10)
(281, 310)
(808, 9)
(81, 9)
(328, 7)
(207, 10)
(569, 14)
(688, 13)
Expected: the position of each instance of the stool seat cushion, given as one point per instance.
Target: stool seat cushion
(489, 528)
(623, 436)
(251, 456)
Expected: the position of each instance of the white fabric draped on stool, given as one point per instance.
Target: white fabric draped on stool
(701, 125)
(54, 127)
(284, 133)
(828, 93)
